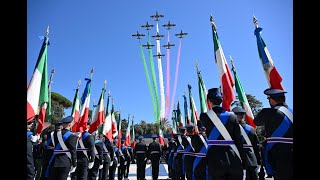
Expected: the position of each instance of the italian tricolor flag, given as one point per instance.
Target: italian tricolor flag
(37, 91)
(225, 75)
(161, 139)
(85, 101)
(75, 113)
(273, 77)
(107, 126)
(133, 141)
(204, 104)
(128, 137)
(99, 113)
(243, 99)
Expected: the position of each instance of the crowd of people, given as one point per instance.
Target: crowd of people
(221, 146)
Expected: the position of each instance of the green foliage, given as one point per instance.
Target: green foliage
(255, 104)
(66, 103)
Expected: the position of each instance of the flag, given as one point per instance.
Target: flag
(128, 137)
(225, 75)
(107, 127)
(179, 116)
(186, 111)
(194, 113)
(242, 97)
(204, 104)
(37, 91)
(174, 122)
(273, 77)
(114, 122)
(84, 113)
(75, 113)
(119, 133)
(133, 141)
(161, 139)
(48, 111)
(99, 112)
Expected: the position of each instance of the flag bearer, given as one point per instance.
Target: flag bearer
(154, 154)
(188, 157)
(140, 152)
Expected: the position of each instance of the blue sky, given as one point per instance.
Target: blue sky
(86, 34)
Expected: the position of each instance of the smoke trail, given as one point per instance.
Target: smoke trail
(168, 79)
(149, 83)
(154, 81)
(176, 75)
(162, 98)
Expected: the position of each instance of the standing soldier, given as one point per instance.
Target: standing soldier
(64, 158)
(251, 145)
(188, 157)
(225, 153)
(278, 122)
(122, 156)
(108, 155)
(129, 159)
(140, 152)
(85, 155)
(172, 147)
(154, 154)
(48, 152)
(98, 160)
(178, 165)
(30, 159)
(200, 145)
(115, 164)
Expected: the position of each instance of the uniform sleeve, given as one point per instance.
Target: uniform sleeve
(260, 119)
(72, 146)
(203, 119)
(90, 145)
(237, 138)
(255, 144)
(111, 150)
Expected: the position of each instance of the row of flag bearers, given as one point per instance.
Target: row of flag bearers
(81, 156)
(226, 147)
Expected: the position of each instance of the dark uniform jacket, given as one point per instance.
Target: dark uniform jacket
(271, 118)
(154, 151)
(140, 151)
(62, 160)
(88, 143)
(30, 160)
(224, 156)
(99, 147)
(108, 157)
(253, 158)
(188, 159)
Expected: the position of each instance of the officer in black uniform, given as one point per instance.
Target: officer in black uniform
(128, 159)
(108, 155)
(115, 162)
(140, 152)
(48, 152)
(154, 154)
(252, 149)
(278, 123)
(172, 148)
(188, 157)
(85, 155)
(123, 154)
(98, 160)
(178, 164)
(64, 158)
(199, 142)
(225, 158)
(30, 159)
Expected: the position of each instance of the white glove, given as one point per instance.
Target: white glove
(148, 161)
(125, 163)
(91, 165)
(258, 168)
(101, 166)
(73, 169)
(111, 163)
(118, 164)
(35, 138)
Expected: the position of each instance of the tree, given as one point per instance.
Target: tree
(58, 104)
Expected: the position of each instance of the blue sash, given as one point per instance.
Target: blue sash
(214, 134)
(175, 155)
(247, 129)
(197, 161)
(96, 141)
(279, 132)
(184, 156)
(58, 146)
(170, 158)
(83, 137)
(29, 133)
